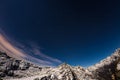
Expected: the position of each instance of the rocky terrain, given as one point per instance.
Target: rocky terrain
(14, 69)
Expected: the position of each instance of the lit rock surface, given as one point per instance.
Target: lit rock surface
(13, 69)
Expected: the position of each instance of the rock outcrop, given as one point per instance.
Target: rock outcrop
(12, 69)
(108, 68)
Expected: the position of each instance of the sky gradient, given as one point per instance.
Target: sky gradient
(72, 31)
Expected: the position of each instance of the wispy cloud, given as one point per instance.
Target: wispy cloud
(21, 51)
(36, 50)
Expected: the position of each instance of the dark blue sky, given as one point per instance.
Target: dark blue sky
(73, 31)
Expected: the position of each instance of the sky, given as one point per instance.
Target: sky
(78, 32)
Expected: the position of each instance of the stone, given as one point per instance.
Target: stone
(10, 73)
(45, 78)
(107, 69)
(36, 79)
(24, 65)
(2, 74)
(15, 65)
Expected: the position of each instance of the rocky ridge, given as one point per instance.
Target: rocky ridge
(13, 69)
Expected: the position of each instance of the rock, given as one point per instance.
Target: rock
(53, 77)
(15, 64)
(10, 73)
(36, 79)
(14, 68)
(45, 78)
(2, 74)
(1, 79)
(107, 69)
(2, 69)
(24, 65)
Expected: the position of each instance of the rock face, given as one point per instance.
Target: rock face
(108, 68)
(12, 69)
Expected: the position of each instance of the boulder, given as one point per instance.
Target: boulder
(10, 73)
(2, 74)
(24, 65)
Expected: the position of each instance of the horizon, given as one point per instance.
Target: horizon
(62, 63)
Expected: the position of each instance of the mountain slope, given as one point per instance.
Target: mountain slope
(108, 68)
(13, 69)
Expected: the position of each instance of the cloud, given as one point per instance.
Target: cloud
(21, 51)
(36, 50)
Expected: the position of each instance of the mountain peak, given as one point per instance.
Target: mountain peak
(64, 65)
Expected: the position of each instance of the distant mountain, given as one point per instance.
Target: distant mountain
(14, 69)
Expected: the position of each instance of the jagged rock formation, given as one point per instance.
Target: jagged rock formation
(108, 68)
(12, 69)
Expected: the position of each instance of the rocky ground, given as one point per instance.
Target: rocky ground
(13, 69)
